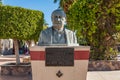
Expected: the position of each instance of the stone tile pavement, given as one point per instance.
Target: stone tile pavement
(15, 77)
(91, 75)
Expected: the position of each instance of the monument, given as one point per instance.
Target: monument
(58, 56)
(59, 62)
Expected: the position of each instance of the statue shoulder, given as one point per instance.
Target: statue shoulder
(68, 30)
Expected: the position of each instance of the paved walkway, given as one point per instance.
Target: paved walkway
(91, 75)
(15, 77)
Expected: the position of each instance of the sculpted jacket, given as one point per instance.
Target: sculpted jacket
(46, 37)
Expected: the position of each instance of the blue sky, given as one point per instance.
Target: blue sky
(46, 6)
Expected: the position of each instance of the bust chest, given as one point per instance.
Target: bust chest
(58, 37)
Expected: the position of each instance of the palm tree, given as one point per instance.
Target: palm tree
(65, 4)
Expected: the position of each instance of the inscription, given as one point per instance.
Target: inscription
(59, 57)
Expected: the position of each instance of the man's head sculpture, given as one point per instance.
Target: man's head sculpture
(58, 19)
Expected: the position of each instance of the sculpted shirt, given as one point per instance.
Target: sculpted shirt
(58, 37)
(52, 36)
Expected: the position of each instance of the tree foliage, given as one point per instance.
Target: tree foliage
(20, 23)
(96, 21)
(65, 4)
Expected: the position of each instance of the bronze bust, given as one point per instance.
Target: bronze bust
(57, 34)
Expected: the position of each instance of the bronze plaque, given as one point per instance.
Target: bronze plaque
(59, 57)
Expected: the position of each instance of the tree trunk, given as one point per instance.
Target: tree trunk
(30, 43)
(0, 47)
(16, 51)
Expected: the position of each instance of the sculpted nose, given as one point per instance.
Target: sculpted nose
(58, 19)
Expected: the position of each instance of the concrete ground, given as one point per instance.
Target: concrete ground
(103, 75)
(91, 75)
(15, 77)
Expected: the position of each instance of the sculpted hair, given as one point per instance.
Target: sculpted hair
(58, 11)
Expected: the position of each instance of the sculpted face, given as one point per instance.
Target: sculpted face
(58, 19)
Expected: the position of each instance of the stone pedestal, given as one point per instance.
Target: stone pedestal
(58, 68)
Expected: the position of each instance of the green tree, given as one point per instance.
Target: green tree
(20, 24)
(96, 22)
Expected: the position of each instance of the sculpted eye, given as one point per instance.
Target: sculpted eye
(56, 17)
(59, 16)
